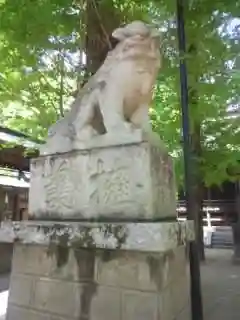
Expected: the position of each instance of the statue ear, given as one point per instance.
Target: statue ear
(119, 34)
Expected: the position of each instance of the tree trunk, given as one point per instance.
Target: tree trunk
(101, 19)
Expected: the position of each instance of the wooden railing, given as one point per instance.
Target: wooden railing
(212, 206)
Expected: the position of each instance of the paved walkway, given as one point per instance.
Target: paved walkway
(221, 286)
(220, 282)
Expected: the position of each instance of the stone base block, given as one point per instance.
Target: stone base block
(61, 280)
(108, 183)
(67, 283)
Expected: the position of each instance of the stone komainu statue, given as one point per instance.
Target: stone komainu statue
(116, 98)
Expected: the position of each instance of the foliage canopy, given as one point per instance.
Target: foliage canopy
(42, 54)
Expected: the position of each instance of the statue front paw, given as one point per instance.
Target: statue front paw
(120, 128)
(86, 133)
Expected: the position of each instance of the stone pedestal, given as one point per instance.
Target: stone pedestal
(120, 267)
(100, 271)
(131, 181)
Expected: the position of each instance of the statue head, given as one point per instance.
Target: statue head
(135, 28)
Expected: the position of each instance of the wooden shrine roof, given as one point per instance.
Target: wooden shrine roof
(14, 145)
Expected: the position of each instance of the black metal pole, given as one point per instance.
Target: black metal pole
(195, 279)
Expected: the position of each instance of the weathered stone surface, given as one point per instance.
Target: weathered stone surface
(165, 303)
(143, 237)
(77, 278)
(73, 264)
(120, 269)
(122, 182)
(59, 297)
(130, 270)
(106, 304)
(99, 284)
(126, 269)
(21, 290)
(140, 306)
(185, 314)
(177, 263)
(180, 294)
(141, 271)
(18, 313)
(31, 261)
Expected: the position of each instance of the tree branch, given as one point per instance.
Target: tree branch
(101, 25)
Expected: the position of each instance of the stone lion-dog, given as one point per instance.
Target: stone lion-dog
(116, 98)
